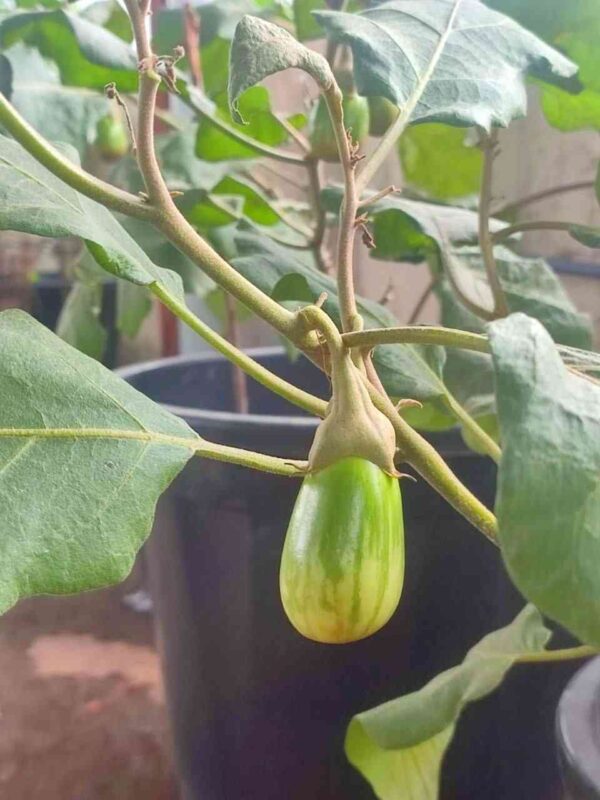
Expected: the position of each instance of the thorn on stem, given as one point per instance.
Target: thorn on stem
(321, 299)
(353, 148)
(165, 68)
(401, 405)
(367, 238)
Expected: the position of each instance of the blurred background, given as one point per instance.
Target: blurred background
(80, 681)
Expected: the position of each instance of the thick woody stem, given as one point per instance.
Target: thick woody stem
(345, 249)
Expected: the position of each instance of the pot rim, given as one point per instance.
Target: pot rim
(578, 725)
(232, 419)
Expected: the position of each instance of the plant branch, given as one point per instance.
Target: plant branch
(535, 225)
(566, 654)
(425, 459)
(70, 173)
(528, 200)
(485, 442)
(200, 447)
(348, 211)
(489, 148)
(169, 219)
(378, 196)
(387, 142)
(320, 214)
(293, 133)
(198, 103)
(418, 334)
(447, 258)
(288, 391)
(420, 304)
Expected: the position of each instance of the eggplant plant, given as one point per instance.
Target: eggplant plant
(84, 457)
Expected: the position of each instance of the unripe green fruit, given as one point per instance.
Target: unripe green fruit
(382, 113)
(112, 140)
(356, 120)
(342, 566)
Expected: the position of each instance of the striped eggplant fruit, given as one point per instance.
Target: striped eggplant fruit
(342, 566)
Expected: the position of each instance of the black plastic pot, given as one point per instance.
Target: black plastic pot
(578, 734)
(259, 712)
(48, 296)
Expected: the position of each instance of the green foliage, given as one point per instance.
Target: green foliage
(214, 143)
(573, 27)
(33, 200)
(321, 136)
(65, 113)
(86, 55)
(435, 160)
(412, 230)
(307, 26)
(406, 370)
(75, 506)
(399, 746)
(481, 56)
(548, 499)
(531, 287)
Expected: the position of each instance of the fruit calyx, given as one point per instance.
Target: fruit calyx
(353, 426)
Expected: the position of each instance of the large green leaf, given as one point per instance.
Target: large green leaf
(33, 200)
(573, 27)
(406, 370)
(260, 49)
(411, 230)
(453, 61)
(215, 142)
(62, 113)
(548, 497)
(435, 160)
(83, 460)
(531, 286)
(399, 746)
(86, 54)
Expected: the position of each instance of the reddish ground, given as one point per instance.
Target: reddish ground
(81, 708)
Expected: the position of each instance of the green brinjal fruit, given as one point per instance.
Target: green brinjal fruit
(112, 140)
(342, 567)
(381, 115)
(356, 120)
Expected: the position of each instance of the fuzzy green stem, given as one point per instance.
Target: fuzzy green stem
(528, 200)
(200, 447)
(486, 243)
(418, 334)
(169, 219)
(251, 367)
(566, 654)
(487, 444)
(539, 225)
(417, 452)
(70, 173)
